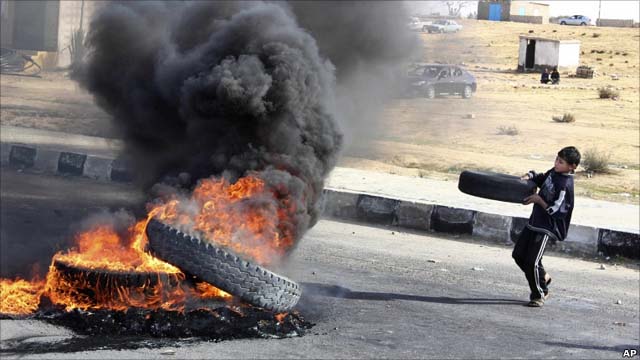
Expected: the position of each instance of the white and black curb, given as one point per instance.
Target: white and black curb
(351, 206)
(582, 240)
(64, 163)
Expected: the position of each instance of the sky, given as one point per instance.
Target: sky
(611, 9)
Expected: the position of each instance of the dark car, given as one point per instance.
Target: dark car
(435, 79)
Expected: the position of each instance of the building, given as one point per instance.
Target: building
(536, 53)
(518, 11)
(43, 29)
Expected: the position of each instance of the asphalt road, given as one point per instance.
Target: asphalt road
(372, 292)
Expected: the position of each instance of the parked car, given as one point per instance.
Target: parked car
(443, 26)
(430, 80)
(415, 24)
(575, 20)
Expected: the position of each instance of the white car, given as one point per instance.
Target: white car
(575, 20)
(443, 26)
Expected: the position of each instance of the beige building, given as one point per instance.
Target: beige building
(519, 11)
(44, 29)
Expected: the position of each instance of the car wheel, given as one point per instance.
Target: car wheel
(467, 92)
(563, 23)
(583, 24)
(495, 186)
(441, 31)
(430, 92)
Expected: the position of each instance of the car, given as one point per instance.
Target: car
(430, 80)
(575, 20)
(443, 26)
(415, 24)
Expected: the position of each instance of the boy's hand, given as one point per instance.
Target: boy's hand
(535, 199)
(525, 177)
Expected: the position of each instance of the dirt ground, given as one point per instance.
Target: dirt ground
(441, 137)
(436, 138)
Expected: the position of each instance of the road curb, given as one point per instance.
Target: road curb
(582, 240)
(58, 162)
(352, 206)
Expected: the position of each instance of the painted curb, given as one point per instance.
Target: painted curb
(46, 160)
(352, 206)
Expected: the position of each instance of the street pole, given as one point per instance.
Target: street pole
(599, 8)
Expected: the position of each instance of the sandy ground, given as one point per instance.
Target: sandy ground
(436, 138)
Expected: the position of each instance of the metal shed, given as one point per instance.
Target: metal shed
(536, 53)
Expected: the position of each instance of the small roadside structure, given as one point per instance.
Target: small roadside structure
(536, 53)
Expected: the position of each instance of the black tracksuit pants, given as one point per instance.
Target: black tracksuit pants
(528, 253)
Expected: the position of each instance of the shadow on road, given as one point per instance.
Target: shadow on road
(344, 293)
(616, 348)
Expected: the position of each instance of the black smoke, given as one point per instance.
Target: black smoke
(231, 88)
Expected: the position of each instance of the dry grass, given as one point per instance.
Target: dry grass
(608, 93)
(510, 130)
(566, 118)
(596, 161)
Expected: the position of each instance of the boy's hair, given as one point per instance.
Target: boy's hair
(570, 154)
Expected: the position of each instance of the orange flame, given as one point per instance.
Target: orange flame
(19, 297)
(245, 217)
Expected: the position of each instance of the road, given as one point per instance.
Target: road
(372, 292)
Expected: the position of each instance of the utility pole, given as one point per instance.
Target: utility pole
(599, 8)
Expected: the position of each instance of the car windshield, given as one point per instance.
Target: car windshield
(441, 22)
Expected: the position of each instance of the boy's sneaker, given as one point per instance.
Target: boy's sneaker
(545, 296)
(536, 303)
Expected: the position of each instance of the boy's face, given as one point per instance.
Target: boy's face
(562, 166)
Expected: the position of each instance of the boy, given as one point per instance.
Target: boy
(550, 219)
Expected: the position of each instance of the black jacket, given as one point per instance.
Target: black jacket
(557, 191)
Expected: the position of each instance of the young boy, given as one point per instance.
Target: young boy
(550, 219)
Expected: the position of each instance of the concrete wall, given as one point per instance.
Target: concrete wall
(569, 55)
(529, 19)
(6, 22)
(72, 14)
(615, 22)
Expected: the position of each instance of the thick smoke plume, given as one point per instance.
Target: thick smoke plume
(234, 88)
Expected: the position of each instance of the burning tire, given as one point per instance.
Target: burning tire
(495, 186)
(90, 288)
(223, 269)
(101, 277)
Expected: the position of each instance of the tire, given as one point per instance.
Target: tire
(583, 24)
(221, 268)
(430, 92)
(103, 277)
(495, 186)
(441, 31)
(467, 92)
(563, 23)
(91, 285)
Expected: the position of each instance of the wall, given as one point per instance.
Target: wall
(528, 19)
(522, 11)
(569, 55)
(483, 9)
(6, 23)
(615, 22)
(69, 21)
(547, 53)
